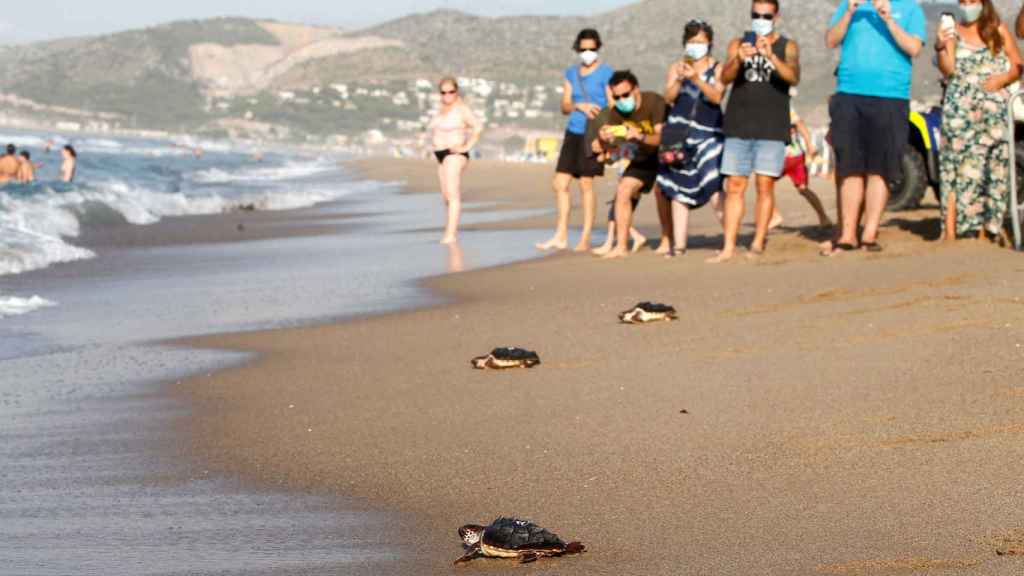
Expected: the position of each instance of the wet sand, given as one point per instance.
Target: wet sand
(855, 415)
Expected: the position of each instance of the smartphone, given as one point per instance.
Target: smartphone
(749, 38)
(947, 21)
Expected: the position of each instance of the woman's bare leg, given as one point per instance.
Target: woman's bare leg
(680, 227)
(949, 234)
(589, 201)
(609, 241)
(563, 203)
(454, 165)
(665, 218)
(716, 206)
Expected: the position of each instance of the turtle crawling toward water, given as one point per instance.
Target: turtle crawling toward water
(514, 539)
(646, 312)
(505, 358)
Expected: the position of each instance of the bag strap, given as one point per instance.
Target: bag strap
(583, 87)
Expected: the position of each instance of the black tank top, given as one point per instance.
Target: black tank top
(758, 107)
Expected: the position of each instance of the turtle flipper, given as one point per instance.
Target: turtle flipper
(470, 554)
(575, 548)
(527, 557)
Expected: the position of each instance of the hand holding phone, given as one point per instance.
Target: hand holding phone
(947, 22)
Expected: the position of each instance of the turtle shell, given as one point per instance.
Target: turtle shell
(645, 312)
(516, 535)
(502, 358)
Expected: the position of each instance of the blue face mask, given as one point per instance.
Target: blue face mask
(762, 27)
(626, 105)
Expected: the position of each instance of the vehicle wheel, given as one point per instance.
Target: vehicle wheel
(906, 193)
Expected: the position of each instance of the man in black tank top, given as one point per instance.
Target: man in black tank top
(762, 66)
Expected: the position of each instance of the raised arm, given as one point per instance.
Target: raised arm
(714, 93)
(567, 105)
(908, 43)
(945, 51)
(733, 63)
(673, 80)
(837, 33)
(788, 69)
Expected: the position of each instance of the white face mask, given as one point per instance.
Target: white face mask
(588, 57)
(970, 13)
(696, 51)
(762, 27)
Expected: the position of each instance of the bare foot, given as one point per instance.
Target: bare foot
(639, 240)
(582, 246)
(675, 253)
(615, 254)
(720, 257)
(776, 221)
(665, 247)
(602, 249)
(552, 244)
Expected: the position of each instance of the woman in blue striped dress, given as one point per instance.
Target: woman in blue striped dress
(695, 91)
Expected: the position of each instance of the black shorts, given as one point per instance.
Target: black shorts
(577, 159)
(442, 154)
(869, 134)
(645, 171)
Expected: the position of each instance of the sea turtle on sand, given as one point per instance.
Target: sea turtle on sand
(515, 539)
(645, 312)
(503, 358)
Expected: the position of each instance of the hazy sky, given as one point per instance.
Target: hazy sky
(22, 21)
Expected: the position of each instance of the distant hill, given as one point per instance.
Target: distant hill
(176, 76)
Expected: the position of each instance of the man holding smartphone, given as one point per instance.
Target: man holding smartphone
(762, 67)
(871, 108)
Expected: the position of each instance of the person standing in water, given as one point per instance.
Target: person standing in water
(69, 165)
(454, 121)
(26, 169)
(585, 93)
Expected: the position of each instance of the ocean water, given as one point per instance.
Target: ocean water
(92, 478)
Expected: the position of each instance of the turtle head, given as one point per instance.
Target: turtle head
(471, 534)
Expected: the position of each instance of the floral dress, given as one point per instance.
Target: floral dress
(975, 158)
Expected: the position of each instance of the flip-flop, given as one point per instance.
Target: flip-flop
(872, 246)
(837, 247)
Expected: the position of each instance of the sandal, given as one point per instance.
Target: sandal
(838, 247)
(871, 246)
(675, 252)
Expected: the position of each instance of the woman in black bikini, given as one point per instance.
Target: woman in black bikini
(455, 131)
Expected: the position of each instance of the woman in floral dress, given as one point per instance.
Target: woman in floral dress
(980, 59)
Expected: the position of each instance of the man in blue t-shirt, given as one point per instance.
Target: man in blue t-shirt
(870, 110)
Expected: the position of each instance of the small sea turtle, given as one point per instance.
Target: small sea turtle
(503, 358)
(513, 538)
(645, 312)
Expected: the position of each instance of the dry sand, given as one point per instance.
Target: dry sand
(856, 415)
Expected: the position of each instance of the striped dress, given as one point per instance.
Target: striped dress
(695, 186)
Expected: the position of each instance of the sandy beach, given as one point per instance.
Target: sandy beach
(855, 415)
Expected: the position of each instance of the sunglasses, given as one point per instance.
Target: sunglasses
(449, 92)
(761, 16)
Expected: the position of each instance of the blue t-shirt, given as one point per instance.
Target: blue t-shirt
(871, 63)
(595, 85)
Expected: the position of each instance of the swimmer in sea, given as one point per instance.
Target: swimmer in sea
(69, 164)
